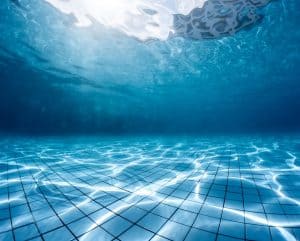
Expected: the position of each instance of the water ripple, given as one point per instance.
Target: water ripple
(205, 186)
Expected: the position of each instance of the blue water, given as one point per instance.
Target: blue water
(149, 120)
(142, 188)
(60, 78)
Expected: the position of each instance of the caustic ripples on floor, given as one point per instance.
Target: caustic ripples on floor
(150, 189)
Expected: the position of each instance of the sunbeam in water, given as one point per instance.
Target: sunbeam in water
(149, 120)
(158, 19)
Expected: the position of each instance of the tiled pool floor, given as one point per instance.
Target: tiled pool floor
(150, 189)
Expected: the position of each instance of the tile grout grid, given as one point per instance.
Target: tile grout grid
(150, 189)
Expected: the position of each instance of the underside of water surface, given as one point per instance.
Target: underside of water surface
(161, 120)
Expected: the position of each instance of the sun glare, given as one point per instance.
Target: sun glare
(142, 19)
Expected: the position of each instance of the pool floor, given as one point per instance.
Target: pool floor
(192, 189)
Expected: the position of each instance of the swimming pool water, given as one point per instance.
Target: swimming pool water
(137, 120)
(150, 188)
(57, 77)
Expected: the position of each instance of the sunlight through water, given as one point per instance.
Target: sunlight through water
(151, 188)
(157, 19)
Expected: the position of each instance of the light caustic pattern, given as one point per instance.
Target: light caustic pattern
(150, 189)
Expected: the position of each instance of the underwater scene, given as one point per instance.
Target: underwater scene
(139, 120)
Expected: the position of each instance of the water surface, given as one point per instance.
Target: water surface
(173, 92)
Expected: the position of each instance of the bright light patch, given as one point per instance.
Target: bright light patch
(143, 19)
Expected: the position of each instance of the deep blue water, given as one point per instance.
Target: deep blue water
(149, 120)
(60, 78)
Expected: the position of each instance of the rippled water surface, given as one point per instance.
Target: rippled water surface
(149, 66)
(216, 188)
(127, 71)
